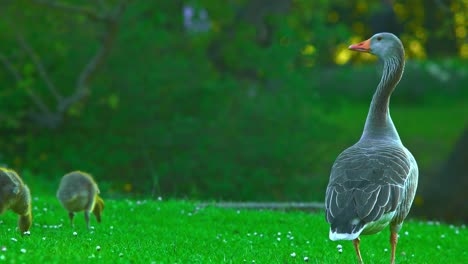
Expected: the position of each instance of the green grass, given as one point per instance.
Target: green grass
(151, 231)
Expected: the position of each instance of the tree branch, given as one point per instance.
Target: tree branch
(103, 51)
(110, 19)
(39, 65)
(37, 100)
(91, 14)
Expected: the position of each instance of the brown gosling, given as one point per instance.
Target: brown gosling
(79, 192)
(15, 195)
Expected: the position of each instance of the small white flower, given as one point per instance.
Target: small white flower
(255, 233)
(279, 233)
(120, 254)
(92, 227)
(406, 233)
(27, 233)
(385, 250)
(457, 232)
(23, 250)
(278, 238)
(238, 212)
(340, 250)
(248, 234)
(293, 254)
(98, 248)
(339, 246)
(2, 257)
(159, 198)
(307, 242)
(4, 248)
(75, 233)
(14, 239)
(44, 209)
(442, 236)
(111, 227)
(306, 259)
(438, 246)
(43, 238)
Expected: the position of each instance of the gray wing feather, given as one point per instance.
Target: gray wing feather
(367, 181)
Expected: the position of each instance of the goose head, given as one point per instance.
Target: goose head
(383, 45)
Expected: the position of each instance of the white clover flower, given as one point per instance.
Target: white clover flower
(293, 254)
(339, 246)
(306, 259)
(278, 238)
(385, 250)
(4, 248)
(27, 233)
(14, 239)
(340, 250)
(75, 233)
(406, 233)
(98, 248)
(23, 250)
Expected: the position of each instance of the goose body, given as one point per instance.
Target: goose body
(373, 183)
(79, 192)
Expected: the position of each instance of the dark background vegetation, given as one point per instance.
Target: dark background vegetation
(227, 100)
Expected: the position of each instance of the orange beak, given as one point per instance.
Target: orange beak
(362, 46)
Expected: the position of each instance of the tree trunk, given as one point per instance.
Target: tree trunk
(445, 195)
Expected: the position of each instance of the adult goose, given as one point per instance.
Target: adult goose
(373, 183)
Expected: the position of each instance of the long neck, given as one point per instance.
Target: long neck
(379, 123)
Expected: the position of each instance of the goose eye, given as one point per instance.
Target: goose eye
(379, 38)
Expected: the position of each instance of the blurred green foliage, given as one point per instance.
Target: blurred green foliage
(253, 108)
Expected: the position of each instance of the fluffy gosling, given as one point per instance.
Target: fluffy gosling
(79, 192)
(15, 195)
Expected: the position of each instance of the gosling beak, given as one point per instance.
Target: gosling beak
(362, 46)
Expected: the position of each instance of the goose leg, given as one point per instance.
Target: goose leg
(356, 247)
(393, 242)
(86, 216)
(71, 215)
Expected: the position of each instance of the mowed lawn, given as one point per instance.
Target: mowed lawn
(158, 231)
